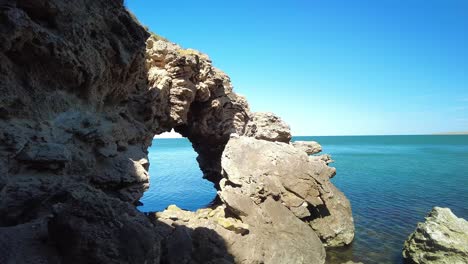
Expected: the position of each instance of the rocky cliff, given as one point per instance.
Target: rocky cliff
(83, 90)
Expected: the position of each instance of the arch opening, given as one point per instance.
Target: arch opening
(175, 176)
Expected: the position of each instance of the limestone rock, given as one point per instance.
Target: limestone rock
(268, 126)
(310, 147)
(255, 170)
(442, 238)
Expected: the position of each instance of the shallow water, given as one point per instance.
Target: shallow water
(391, 181)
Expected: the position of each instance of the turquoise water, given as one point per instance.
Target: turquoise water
(391, 181)
(175, 177)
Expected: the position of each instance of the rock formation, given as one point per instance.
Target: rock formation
(257, 171)
(196, 99)
(442, 238)
(309, 147)
(83, 90)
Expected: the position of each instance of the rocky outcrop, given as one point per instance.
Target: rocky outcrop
(442, 238)
(83, 91)
(256, 171)
(309, 147)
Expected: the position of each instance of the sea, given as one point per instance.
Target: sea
(391, 181)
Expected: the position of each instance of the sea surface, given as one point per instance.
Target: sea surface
(391, 181)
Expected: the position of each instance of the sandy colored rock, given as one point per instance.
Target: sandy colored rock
(442, 238)
(256, 169)
(268, 126)
(270, 235)
(309, 147)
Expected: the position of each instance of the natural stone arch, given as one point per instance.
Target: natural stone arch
(82, 95)
(196, 99)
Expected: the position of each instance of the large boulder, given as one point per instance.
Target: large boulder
(441, 239)
(256, 171)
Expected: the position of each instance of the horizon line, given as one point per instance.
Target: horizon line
(350, 135)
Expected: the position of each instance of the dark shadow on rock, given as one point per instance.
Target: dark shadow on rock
(319, 211)
(87, 226)
(181, 244)
(209, 129)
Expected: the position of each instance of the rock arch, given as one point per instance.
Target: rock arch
(82, 93)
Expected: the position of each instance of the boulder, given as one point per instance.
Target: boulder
(310, 147)
(441, 239)
(270, 235)
(255, 170)
(268, 126)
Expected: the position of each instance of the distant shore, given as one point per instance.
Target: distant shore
(451, 133)
(173, 134)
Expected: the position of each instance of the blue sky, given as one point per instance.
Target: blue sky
(330, 67)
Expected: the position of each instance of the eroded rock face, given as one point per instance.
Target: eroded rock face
(442, 238)
(257, 170)
(70, 91)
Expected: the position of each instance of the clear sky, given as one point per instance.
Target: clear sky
(330, 67)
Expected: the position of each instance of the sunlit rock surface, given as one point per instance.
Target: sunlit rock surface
(442, 238)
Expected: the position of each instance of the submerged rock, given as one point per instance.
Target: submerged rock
(442, 238)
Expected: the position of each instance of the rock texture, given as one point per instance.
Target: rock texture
(196, 99)
(73, 134)
(269, 235)
(442, 238)
(83, 90)
(268, 126)
(256, 171)
(309, 147)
